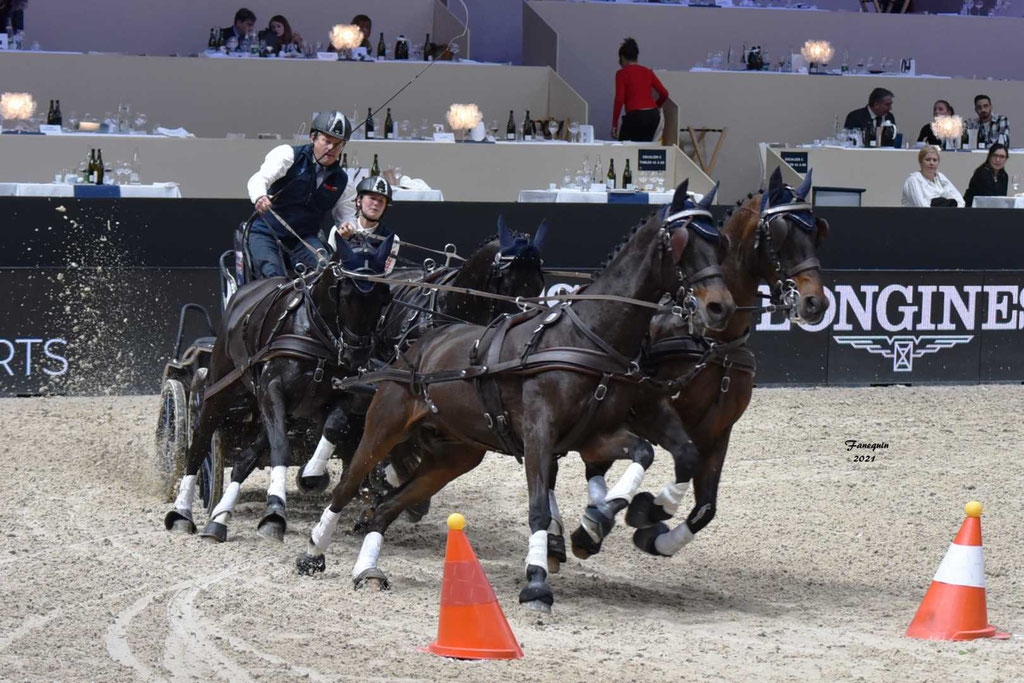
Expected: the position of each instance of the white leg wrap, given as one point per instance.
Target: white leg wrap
(278, 476)
(671, 496)
(317, 465)
(672, 542)
(227, 503)
(627, 484)
(596, 490)
(556, 527)
(391, 476)
(186, 493)
(324, 529)
(538, 554)
(369, 553)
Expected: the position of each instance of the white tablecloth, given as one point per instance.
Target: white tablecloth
(417, 195)
(156, 190)
(580, 197)
(999, 202)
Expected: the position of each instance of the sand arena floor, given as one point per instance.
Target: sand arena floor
(812, 569)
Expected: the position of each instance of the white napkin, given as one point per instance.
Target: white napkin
(173, 132)
(407, 183)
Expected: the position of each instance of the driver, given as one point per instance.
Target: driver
(299, 186)
(373, 197)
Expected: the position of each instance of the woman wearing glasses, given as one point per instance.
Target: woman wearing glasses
(989, 179)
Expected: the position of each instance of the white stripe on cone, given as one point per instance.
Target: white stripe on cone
(963, 565)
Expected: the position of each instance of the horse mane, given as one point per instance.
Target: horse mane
(615, 250)
(741, 219)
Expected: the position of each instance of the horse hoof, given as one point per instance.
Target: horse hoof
(272, 528)
(554, 565)
(317, 484)
(583, 545)
(309, 565)
(556, 547)
(644, 538)
(643, 512)
(372, 579)
(215, 532)
(538, 606)
(415, 513)
(179, 522)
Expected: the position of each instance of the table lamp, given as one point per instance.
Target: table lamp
(16, 108)
(462, 117)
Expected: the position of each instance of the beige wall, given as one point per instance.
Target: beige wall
(796, 109)
(212, 97)
(158, 27)
(220, 168)
(881, 173)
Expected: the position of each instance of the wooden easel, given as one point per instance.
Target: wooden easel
(699, 155)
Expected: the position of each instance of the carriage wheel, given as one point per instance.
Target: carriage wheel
(211, 473)
(171, 436)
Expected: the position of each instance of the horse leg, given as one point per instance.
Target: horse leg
(659, 539)
(274, 415)
(538, 439)
(313, 477)
(598, 519)
(556, 530)
(647, 510)
(432, 476)
(216, 528)
(392, 414)
(211, 414)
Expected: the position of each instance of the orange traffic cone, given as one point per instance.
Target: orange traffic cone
(471, 625)
(954, 606)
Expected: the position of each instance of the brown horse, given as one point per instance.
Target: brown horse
(547, 392)
(774, 237)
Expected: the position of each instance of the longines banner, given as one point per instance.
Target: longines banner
(89, 331)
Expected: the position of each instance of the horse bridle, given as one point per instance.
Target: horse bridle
(346, 339)
(687, 308)
(784, 290)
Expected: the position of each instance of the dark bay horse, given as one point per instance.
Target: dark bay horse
(508, 263)
(774, 237)
(568, 369)
(280, 345)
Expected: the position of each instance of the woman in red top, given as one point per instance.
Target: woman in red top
(633, 85)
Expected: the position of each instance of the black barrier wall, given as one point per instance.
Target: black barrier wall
(91, 289)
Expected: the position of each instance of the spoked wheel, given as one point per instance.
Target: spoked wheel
(171, 436)
(211, 473)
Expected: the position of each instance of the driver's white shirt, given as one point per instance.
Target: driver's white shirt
(277, 163)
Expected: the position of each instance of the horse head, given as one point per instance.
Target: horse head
(358, 303)
(788, 236)
(697, 249)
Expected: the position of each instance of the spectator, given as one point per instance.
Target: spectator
(245, 20)
(12, 13)
(992, 128)
(940, 108)
(278, 34)
(878, 111)
(633, 85)
(989, 179)
(928, 187)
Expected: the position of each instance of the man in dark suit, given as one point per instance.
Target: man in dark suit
(245, 20)
(878, 111)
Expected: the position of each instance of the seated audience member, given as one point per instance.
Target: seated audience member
(278, 34)
(878, 111)
(12, 13)
(634, 85)
(940, 108)
(928, 187)
(245, 20)
(989, 179)
(992, 128)
(365, 25)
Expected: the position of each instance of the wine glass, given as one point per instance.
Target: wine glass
(552, 128)
(574, 130)
(403, 129)
(1015, 185)
(494, 129)
(140, 121)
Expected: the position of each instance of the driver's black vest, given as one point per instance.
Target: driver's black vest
(300, 201)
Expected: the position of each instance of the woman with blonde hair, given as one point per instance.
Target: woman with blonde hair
(928, 187)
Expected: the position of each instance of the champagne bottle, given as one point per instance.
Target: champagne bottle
(428, 49)
(58, 118)
(527, 127)
(401, 48)
(381, 47)
(344, 161)
(610, 180)
(389, 126)
(627, 177)
(510, 129)
(375, 169)
(99, 166)
(370, 133)
(83, 169)
(49, 114)
(92, 167)
(212, 42)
